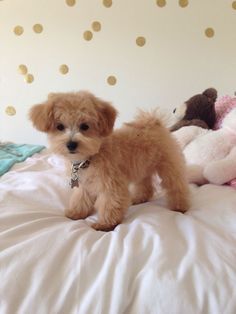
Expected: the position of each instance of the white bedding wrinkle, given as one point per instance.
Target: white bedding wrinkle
(157, 261)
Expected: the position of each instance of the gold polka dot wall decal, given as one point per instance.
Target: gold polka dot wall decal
(96, 26)
(18, 30)
(107, 3)
(64, 69)
(111, 80)
(88, 35)
(38, 28)
(209, 32)
(70, 3)
(234, 5)
(183, 3)
(161, 3)
(29, 78)
(140, 41)
(10, 111)
(22, 69)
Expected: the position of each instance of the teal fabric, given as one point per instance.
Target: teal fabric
(13, 153)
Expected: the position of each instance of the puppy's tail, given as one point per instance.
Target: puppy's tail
(151, 119)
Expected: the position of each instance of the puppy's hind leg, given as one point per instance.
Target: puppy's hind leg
(174, 180)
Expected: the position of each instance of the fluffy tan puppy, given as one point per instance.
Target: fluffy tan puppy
(80, 127)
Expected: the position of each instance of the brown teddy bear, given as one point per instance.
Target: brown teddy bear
(199, 110)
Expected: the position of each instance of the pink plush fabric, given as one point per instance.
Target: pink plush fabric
(232, 183)
(223, 106)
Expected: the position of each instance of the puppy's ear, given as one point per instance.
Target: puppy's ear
(42, 116)
(107, 116)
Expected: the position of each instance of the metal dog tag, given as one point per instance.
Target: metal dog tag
(76, 166)
(74, 181)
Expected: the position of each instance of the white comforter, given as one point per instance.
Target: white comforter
(156, 261)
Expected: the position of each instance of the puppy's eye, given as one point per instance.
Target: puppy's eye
(83, 127)
(60, 127)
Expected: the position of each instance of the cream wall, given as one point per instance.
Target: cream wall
(177, 60)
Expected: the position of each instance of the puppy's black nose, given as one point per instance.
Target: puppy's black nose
(71, 145)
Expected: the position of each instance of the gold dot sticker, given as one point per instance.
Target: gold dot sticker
(10, 111)
(140, 41)
(64, 69)
(111, 80)
(22, 69)
(234, 5)
(29, 78)
(88, 35)
(107, 3)
(209, 32)
(18, 30)
(96, 26)
(183, 3)
(38, 28)
(70, 3)
(161, 3)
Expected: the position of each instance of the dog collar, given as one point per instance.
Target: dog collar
(75, 167)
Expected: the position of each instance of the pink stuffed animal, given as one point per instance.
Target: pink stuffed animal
(223, 106)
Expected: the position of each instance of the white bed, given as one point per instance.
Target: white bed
(156, 261)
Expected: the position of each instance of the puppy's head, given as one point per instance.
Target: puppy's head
(76, 123)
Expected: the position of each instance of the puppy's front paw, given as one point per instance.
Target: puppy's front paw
(75, 214)
(103, 227)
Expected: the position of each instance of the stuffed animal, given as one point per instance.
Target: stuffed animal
(223, 106)
(198, 113)
(211, 156)
(199, 110)
(187, 134)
